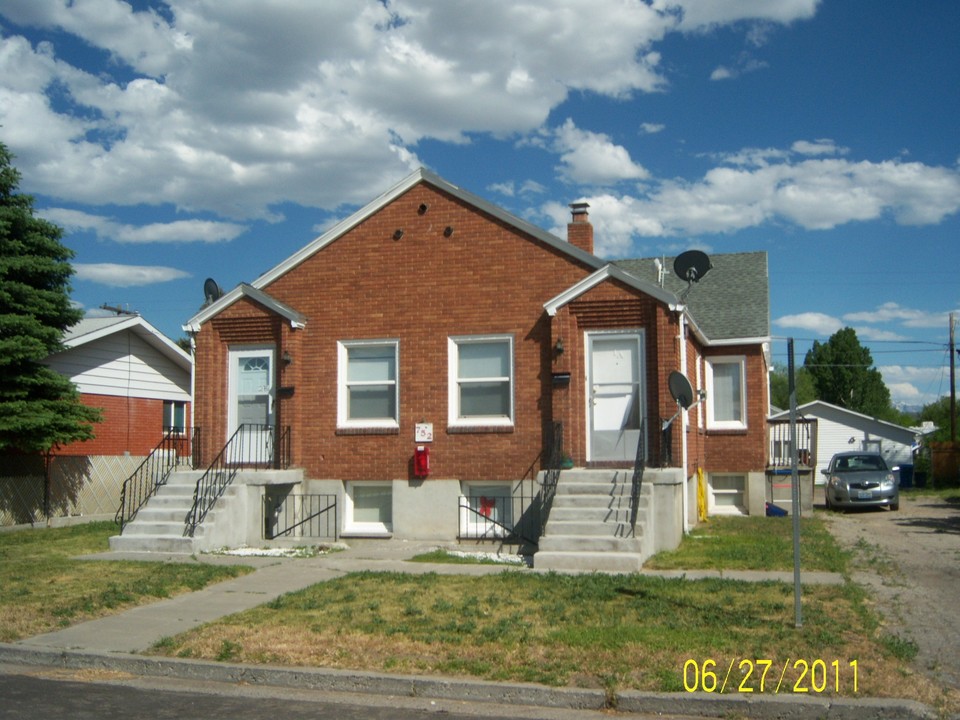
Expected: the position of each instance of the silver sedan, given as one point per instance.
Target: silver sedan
(861, 479)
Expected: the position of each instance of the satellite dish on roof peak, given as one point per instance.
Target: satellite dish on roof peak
(680, 389)
(211, 291)
(692, 265)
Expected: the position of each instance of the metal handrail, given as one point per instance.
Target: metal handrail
(552, 475)
(251, 446)
(149, 476)
(636, 485)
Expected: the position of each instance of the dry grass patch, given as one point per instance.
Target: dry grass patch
(43, 588)
(614, 632)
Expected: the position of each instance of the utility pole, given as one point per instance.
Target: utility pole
(953, 384)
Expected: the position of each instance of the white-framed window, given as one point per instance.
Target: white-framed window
(368, 508)
(369, 388)
(726, 393)
(174, 416)
(726, 494)
(481, 380)
(486, 510)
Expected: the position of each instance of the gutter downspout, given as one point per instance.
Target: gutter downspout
(681, 314)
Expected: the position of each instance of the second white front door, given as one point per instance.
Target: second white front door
(614, 395)
(251, 402)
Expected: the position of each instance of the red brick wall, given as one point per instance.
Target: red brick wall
(741, 450)
(130, 425)
(484, 278)
(421, 289)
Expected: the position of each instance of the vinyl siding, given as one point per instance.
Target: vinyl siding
(123, 365)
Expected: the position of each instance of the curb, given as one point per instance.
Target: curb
(448, 688)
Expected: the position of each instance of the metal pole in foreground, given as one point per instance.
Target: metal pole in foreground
(794, 485)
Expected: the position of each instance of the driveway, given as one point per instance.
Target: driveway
(910, 560)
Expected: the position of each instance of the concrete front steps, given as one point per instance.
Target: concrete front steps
(589, 529)
(234, 520)
(159, 525)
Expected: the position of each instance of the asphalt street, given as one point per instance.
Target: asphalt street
(30, 693)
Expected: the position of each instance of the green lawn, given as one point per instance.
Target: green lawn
(754, 543)
(43, 588)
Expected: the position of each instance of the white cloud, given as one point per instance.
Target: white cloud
(722, 73)
(818, 147)
(184, 231)
(126, 275)
(652, 128)
(757, 186)
(593, 158)
(199, 105)
(702, 14)
(812, 321)
(908, 317)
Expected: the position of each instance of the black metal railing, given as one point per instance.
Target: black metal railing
(296, 515)
(251, 446)
(517, 516)
(150, 475)
(639, 464)
(513, 518)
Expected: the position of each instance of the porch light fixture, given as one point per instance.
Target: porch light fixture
(558, 348)
(398, 233)
(286, 357)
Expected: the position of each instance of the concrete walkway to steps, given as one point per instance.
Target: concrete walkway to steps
(139, 628)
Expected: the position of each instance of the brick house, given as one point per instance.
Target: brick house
(141, 381)
(135, 374)
(433, 320)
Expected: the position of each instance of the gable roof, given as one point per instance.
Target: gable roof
(344, 226)
(731, 302)
(825, 410)
(608, 272)
(245, 290)
(91, 329)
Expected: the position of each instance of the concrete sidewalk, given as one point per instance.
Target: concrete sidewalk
(139, 628)
(113, 643)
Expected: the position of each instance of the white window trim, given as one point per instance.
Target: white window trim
(713, 508)
(470, 525)
(453, 386)
(343, 421)
(713, 423)
(365, 529)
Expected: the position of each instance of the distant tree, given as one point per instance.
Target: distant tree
(938, 412)
(843, 374)
(780, 387)
(39, 408)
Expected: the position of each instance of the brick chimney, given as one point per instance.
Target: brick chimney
(580, 231)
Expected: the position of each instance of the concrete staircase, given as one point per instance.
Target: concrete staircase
(159, 525)
(589, 524)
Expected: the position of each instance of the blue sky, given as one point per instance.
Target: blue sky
(179, 140)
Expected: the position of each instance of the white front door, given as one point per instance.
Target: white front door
(251, 403)
(614, 395)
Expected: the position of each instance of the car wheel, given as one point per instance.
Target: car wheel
(895, 505)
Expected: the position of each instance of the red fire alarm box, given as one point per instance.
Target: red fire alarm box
(421, 461)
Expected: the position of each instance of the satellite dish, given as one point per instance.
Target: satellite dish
(680, 389)
(211, 291)
(692, 265)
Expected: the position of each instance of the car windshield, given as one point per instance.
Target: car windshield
(855, 463)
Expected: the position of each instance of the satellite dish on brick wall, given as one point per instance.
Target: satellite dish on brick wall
(680, 389)
(211, 291)
(692, 265)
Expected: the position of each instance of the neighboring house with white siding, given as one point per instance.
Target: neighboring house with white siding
(139, 377)
(840, 430)
(141, 381)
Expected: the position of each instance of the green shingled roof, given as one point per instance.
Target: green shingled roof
(731, 301)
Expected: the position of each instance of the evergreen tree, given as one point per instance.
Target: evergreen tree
(780, 387)
(39, 408)
(843, 374)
